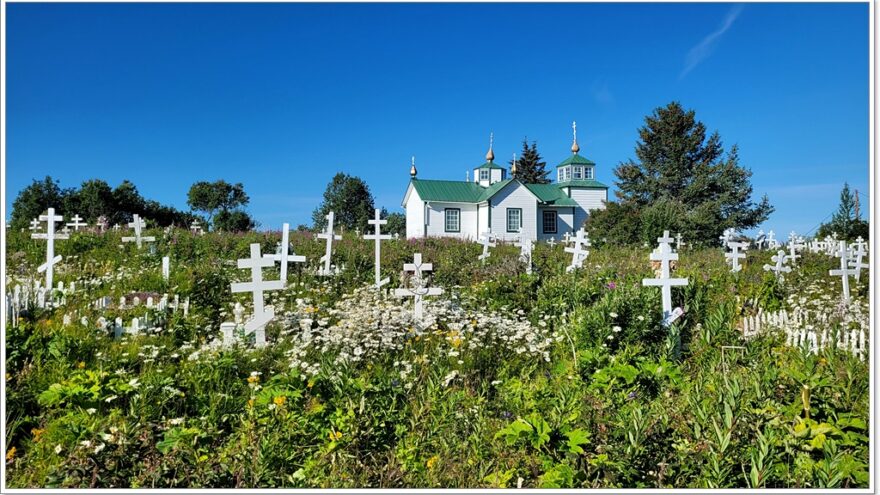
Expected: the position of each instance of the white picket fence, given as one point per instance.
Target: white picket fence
(795, 325)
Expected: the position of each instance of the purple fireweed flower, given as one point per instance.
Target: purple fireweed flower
(611, 285)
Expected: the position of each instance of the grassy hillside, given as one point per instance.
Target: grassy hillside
(547, 380)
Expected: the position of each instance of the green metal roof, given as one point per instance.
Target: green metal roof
(453, 191)
(576, 159)
(448, 190)
(491, 165)
(492, 189)
(551, 194)
(588, 183)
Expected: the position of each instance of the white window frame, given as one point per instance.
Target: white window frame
(588, 173)
(578, 173)
(518, 212)
(447, 217)
(544, 217)
(484, 174)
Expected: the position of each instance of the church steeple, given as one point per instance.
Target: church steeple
(574, 145)
(513, 166)
(489, 172)
(412, 169)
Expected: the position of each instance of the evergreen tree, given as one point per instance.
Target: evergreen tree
(529, 166)
(678, 164)
(349, 199)
(844, 222)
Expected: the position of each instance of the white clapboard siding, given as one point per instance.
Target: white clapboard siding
(589, 199)
(514, 195)
(437, 220)
(415, 214)
(564, 222)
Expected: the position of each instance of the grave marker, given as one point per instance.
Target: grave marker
(418, 288)
(330, 236)
(378, 237)
(578, 253)
(856, 263)
(735, 255)
(525, 250)
(283, 255)
(262, 316)
(665, 255)
(77, 223)
(166, 268)
(50, 218)
(778, 268)
(845, 271)
(486, 241)
(138, 225)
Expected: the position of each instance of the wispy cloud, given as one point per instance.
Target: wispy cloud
(704, 48)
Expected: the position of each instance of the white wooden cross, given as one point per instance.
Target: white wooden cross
(166, 268)
(102, 223)
(735, 255)
(779, 267)
(138, 224)
(262, 316)
(196, 227)
(566, 238)
(772, 243)
(77, 223)
(486, 241)
(845, 271)
(50, 218)
(418, 289)
(330, 236)
(525, 250)
(378, 237)
(760, 240)
(794, 245)
(552, 242)
(857, 263)
(284, 255)
(726, 236)
(678, 242)
(664, 255)
(116, 227)
(35, 225)
(578, 253)
(831, 245)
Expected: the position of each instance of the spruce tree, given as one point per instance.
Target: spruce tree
(529, 166)
(677, 162)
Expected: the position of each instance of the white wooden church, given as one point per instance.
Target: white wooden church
(495, 203)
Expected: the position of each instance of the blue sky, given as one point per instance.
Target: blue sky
(282, 96)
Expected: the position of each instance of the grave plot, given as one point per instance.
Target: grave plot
(141, 365)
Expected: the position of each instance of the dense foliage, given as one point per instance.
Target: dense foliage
(350, 200)
(683, 181)
(93, 200)
(547, 380)
(223, 203)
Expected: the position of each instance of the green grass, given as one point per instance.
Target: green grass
(544, 380)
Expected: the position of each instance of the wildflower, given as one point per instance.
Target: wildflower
(432, 461)
(175, 421)
(91, 410)
(10, 454)
(250, 403)
(612, 314)
(58, 449)
(611, 285)
(86, 443)
(99, 447)
(36, 432)
(335, 435)
(280, 400)
(81, 364)
(615, 329)
(134, 383)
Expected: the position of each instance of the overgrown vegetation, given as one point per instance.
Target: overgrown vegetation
(469, 401)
